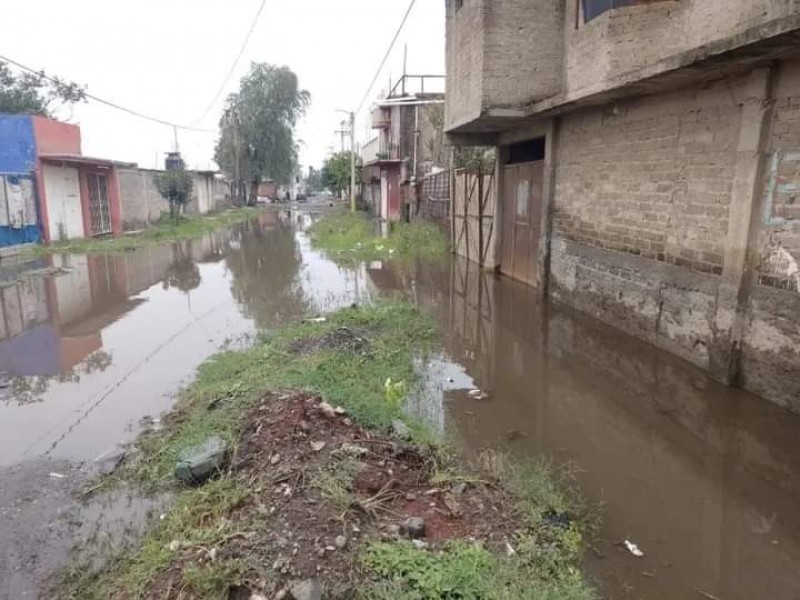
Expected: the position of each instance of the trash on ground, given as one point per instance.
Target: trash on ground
(633, 549)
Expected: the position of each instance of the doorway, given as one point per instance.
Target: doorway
(523, 184)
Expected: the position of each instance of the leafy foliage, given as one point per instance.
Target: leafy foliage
(336, 172)
(460, 571)
(175, 186)
(34, 93)
(475, 157)
(350, 237)
(257, 128)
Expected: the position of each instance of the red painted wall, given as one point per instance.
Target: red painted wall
(55, 137)
(395, 196)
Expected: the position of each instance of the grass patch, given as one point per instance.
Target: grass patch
(369, 383)
(353, 237)
(232, 381)
(541, 563)
(165, 230)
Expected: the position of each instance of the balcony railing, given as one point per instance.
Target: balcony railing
(409, 85)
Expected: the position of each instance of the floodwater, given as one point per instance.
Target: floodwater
(705, 479)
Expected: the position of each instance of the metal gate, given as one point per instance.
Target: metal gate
(522, 218)
(473, 216)
(99, 212)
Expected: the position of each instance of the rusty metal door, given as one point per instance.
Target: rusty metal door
(522, 218)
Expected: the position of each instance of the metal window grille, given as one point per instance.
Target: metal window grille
(99, 212)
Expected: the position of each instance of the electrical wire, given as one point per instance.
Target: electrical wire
(114, 105)
(386, 56)
(233, 66)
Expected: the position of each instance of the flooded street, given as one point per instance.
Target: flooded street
(705, 479)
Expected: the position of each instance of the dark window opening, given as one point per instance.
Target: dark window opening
(523, 152)
(458, 4)
(595, 8)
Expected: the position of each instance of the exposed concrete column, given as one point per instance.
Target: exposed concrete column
(743, 217)
(496, 254)
(548, 195)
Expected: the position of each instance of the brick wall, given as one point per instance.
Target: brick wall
(770, 356)
(641, 229)
(650, 176)
(501, 54)
(464, 54)
(625, 39)
(523, 51)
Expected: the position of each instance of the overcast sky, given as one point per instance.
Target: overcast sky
(167, 58)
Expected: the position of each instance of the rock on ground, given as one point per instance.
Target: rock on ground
(307, 589)
(198, 463)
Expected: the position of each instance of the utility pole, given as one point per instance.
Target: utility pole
(352, 161)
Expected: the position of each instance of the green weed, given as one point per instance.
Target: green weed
(352, 237)
(165, 230)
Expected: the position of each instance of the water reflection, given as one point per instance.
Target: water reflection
(706, 479)
(88, 353)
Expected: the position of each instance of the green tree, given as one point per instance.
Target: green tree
(336, 172)
(175, 186)
(257, 129)
(315, 180)
(34, 93)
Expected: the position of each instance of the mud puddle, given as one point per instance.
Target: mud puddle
(704, 479)
(97, 346)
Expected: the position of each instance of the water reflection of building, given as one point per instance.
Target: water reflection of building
(705, 478)
(49, 325)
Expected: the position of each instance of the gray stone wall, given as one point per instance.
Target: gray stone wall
(644, 235)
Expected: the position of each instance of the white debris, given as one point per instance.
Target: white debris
(633, 549)
(317, 320)
(57, 476)
(510, 550)
(317, 446)
(327, 410)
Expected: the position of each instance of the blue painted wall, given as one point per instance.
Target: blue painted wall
(17, 162)
(17, 144)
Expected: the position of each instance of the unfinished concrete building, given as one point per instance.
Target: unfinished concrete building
(648, 166)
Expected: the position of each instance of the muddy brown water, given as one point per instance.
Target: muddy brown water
(705, 479)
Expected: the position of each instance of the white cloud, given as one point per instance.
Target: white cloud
(168, 58)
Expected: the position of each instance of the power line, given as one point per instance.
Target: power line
(130, 111)
(233, 66)
(386, 56)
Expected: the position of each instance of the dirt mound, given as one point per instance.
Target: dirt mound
(343, 338)
(325, 486)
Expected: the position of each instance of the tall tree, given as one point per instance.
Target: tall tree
(257, 128)
(336, 172)
(34, 93)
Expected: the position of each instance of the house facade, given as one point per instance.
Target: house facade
(50, 191)
(648, 166)
(409, 144)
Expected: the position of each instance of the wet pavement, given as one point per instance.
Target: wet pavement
(705, 479)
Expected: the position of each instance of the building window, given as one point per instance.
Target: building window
(595, 8)
(458, 4)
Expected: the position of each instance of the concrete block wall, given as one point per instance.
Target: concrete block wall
(650, 176)
(501, 54)
(623, 40)
(523, 51)
(141, 203)
(770, 362)
(464, 55)
(646, 237)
